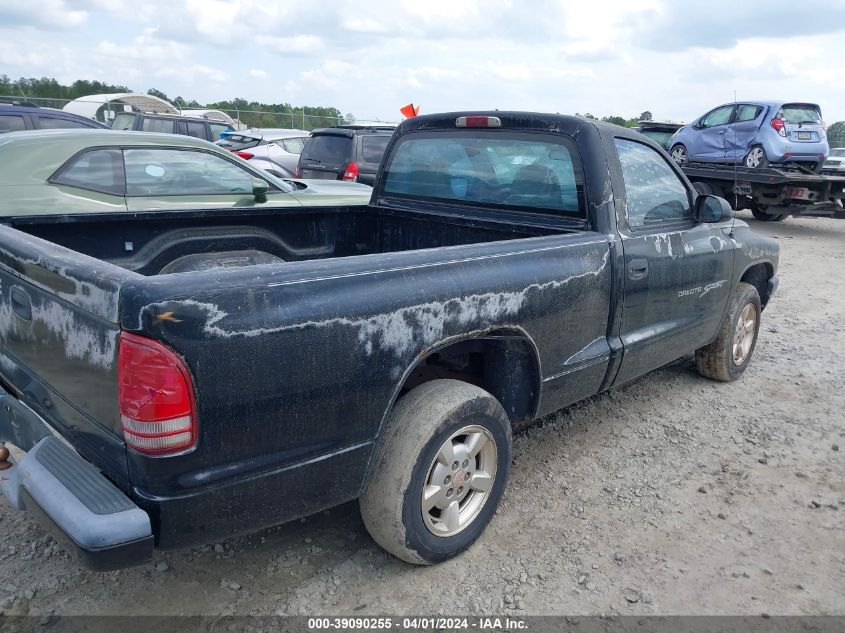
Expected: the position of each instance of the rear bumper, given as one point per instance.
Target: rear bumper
(68, 496)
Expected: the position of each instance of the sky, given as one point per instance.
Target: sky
(674, 58)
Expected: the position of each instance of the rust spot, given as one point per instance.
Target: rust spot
(166, 316)
(4, 457)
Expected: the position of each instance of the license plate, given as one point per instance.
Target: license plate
(798, 193)
(803, 136)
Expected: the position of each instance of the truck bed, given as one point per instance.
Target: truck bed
(172, 242)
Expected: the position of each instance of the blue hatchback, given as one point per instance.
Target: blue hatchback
(754, 134)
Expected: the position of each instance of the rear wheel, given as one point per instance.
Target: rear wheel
(679, 155)
(439, 472)
(727, 357)
(756, 158)
(759, 211)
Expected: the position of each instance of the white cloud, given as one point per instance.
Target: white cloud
(48, 14)
(295, 45)
(602, 56)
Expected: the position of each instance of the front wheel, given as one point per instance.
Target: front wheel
(727, 357)
(439, 472)
(679, 155)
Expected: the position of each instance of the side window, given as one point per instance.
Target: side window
(719, 116)
(372, 148)
(747, 112)
(654, 193)
(195, 129)
(11, 123)
(98, 170)
(53, 123)
(293, 145)
(217, 129)
(173, 172)
(158, 125)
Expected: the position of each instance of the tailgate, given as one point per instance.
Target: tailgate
(58, 342)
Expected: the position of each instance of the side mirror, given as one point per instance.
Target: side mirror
(711, 209)
(259, 190)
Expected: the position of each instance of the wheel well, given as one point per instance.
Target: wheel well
(758, 276)
(502, 363)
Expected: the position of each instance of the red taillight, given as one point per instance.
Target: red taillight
(778, 125)
(156, 397)
(245, 155)
(297, 173)
(351, 172)
(478, 121)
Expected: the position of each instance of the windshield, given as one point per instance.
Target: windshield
(800, 113)
(497, 169)
(664, 139)
(123, 121)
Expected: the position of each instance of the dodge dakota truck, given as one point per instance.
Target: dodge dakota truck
(175, 377)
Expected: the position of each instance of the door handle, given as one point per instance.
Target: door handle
(21, 303)
(638, 268)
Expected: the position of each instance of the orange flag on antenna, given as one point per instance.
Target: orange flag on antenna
(410, 110)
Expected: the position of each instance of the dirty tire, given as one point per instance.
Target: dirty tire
(419, 425)
(759, 213)
(716, 360)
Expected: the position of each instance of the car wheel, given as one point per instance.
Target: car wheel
(727, 357)
(759, 212)
(679, 155)
(756, 158)
(438, 472)
(706, 189)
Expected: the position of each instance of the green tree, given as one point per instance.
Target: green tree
(645, 116)
(836, 134)
(158, 93)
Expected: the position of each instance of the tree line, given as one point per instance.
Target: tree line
(251, 113)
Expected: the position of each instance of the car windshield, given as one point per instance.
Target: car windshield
(123, 121)
(509, 170)
(800, 113)
(664, 139)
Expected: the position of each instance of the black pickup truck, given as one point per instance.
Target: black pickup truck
(508, 265)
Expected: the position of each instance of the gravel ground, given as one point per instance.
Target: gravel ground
(672, 495)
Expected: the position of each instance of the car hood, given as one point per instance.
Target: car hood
(323, 192)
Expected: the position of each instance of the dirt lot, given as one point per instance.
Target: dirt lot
(672, 495)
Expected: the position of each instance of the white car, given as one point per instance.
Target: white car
(275, 150)
(836, 161)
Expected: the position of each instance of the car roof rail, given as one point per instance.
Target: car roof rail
(18, 102)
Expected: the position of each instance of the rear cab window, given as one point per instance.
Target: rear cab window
(494, 169)
(328, 149)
